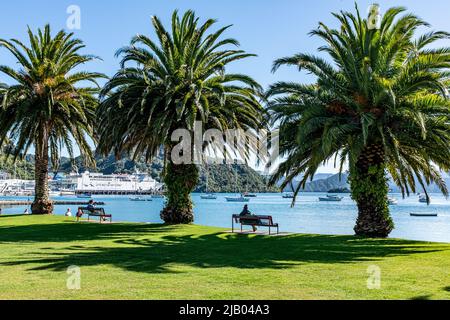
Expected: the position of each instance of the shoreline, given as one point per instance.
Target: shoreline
(224, 230)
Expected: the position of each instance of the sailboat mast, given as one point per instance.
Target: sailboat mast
(235, 181)
(207, 178)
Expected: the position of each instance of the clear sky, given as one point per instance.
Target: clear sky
(268, 28)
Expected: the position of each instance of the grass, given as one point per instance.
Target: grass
(145, 261)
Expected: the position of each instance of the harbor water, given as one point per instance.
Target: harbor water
(307, 216)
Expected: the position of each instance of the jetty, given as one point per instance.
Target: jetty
(4, 203)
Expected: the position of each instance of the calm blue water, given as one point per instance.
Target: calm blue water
(308, 216)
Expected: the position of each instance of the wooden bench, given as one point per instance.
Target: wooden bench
(97, 212)
(255, 221)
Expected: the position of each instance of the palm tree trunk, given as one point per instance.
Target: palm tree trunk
(180, 181)
(370, 189)
(42, 203)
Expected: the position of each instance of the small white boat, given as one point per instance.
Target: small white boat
(137, 199)
(331, 198)
(392, 201)
(209, 196)
(250, 195)
(423, 198)
(423, 214)
(54, 194)
(288, 196)
(237, 199)
(67, 193)
(84, 196)
(241, 197)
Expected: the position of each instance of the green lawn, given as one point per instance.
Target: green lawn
(143, 261)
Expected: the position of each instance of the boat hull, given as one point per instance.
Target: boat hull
(237, 199)
(139, 199)
(329, 200)
(433, 215)
(208, 197)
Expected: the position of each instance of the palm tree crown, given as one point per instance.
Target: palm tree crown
(47, 107)
(380, 101)
(170, 84)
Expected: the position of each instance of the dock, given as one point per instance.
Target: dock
(116, 192)
(5, 203)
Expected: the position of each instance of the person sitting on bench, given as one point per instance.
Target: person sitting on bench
(91, 205)
(245, 213)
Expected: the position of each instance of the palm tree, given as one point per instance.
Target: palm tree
(170, 84)
(47, 107)
(379, 104)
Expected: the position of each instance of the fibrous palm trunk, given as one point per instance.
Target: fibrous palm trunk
(180, 181)
(370, 189)
(42, 203)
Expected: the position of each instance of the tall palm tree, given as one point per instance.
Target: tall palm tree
(48, 107)
(170, 84)
(380, 104)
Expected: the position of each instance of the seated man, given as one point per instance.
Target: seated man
(246, 212)
(91, 206)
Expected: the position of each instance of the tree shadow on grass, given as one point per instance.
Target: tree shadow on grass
(156, 248)
(422, 298)
(69, 231)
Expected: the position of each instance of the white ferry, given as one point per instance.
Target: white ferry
(97, 183)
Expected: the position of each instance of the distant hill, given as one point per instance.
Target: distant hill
(335, 182)
(22, 169)
(222, 178)
(324, 185)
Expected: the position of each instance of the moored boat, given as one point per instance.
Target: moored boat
(209, 196)
(423, 198)
(237, 199)
(392, 201)
(84, 196)
(241, 197)
(138, 199)
(331, 198)
(63, 193)
(423, 214)
(288, 196)
(249, 195)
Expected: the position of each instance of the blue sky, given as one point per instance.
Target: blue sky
(268, 28)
